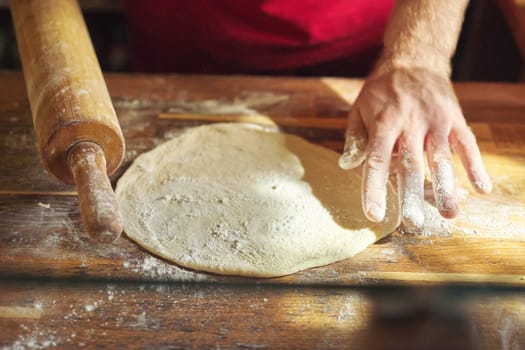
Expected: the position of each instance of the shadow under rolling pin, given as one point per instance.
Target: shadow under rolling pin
(78, 133)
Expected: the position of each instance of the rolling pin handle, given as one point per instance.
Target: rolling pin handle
(99, 207)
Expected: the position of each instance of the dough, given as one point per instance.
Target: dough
(237, 200)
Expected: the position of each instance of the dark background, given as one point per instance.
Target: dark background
(487, 49)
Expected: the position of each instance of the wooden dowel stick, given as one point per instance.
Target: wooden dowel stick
(99, 207)
(320, 123)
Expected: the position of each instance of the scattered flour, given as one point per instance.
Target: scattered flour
(434, 223)
(488, 216)
(35, 338)
(152, 268)
(76, 317)
(492, 215)
(347, 311)
(247, 103)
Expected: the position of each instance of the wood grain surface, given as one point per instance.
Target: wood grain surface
(41, 233)
(58, 288)
(68, 314)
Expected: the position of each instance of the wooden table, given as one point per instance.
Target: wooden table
(60, 288)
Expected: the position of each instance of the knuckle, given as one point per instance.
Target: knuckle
(468, 136)
(409, 162)
(386, 120)
(439, 145)
(376, 160)
(465, 139)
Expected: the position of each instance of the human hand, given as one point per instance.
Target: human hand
(411, 111)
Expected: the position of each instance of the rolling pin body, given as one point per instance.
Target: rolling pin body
(67, 93)
(78, 133)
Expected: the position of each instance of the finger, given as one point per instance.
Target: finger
(442, 172)
(464, 143)
(355, 142)
(411, 182)
(375, 174)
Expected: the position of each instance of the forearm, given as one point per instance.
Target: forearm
(422, 33)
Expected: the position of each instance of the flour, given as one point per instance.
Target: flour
(347, 311)
(353, 152)
(488, 216)
(491, 217)
(135, 103)
(158, 270)
(18, 139)
(444, 185)
(433, 224)
(247, 103)
(40, 335)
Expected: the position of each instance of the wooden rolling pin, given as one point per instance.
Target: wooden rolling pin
(78, 133)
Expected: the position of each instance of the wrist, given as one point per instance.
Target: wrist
(414, 57)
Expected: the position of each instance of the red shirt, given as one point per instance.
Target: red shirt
(247, 36)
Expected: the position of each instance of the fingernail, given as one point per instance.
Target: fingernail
(448, 208)
(483, 186)
(353, 153)
(375, 212)
(347, 161)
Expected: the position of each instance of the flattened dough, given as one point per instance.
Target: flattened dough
(233, 199)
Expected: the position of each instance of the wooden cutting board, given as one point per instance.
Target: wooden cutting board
(41, 233)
